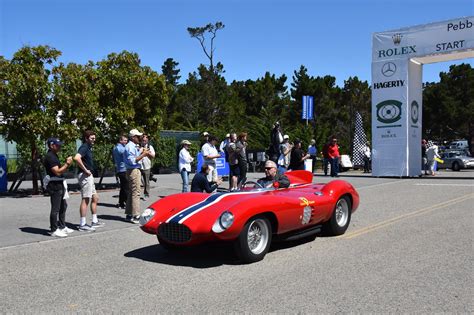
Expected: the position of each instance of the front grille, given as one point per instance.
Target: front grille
(175, 232)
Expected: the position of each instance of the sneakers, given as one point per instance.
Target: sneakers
(86, 228)
(67, 230)
(97, 224)
(132, 219)
(58, 233)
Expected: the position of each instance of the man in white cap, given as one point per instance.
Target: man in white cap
(224, 143)
(205, 138)
(133, 156)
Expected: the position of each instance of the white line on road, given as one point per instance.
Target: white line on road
(455, 185)
(78, 235)
(384, 184)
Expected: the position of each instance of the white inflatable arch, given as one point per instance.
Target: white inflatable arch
(397, 63)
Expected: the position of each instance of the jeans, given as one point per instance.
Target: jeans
(123, 188)
(185, 178)
(334, 166)
(58, 205)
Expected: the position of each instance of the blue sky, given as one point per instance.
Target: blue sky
(328, 37)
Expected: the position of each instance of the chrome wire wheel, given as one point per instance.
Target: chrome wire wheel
(342, 212)
(257, 236)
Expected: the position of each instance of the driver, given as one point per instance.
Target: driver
(273, 178)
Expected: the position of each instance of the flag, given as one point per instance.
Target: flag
(359, 142)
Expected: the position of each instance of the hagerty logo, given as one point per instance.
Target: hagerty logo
(389, 84)
(389, 111)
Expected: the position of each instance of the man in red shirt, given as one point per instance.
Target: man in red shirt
(333, 153)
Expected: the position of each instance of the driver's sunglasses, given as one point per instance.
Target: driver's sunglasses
(268, 168)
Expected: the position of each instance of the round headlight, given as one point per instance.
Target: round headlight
(146, 216)
(226, 219)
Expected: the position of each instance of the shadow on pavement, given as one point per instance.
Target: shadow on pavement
(33, 230)
(202, 256)
(112, 217)
(107, 205)
(205, 256)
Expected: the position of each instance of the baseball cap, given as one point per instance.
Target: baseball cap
(205, 133)
(286, 137)
(134, 132)
(51, 141)
(227, 135)
(185, 142)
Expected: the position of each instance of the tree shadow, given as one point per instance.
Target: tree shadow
(202, 256)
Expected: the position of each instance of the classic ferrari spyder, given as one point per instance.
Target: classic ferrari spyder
(253, 216)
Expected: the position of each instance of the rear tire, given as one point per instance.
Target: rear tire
(456, 167)
(254, 241)
(340, 218)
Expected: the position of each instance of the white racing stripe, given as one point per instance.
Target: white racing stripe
(214, 202)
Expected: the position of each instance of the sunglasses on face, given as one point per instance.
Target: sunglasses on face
(268, 168)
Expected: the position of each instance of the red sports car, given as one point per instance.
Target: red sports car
(251, 217)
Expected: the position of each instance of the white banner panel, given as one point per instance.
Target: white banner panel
(415, 107)
(389, 118)
(397, 88)
(424, 40)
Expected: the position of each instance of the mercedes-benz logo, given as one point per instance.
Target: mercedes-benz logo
(389, 69)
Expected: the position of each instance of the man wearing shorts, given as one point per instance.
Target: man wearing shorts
(84, 160)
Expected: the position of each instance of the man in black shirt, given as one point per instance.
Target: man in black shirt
(273, 178)
(200, 182)
(56, 188)
(85, 162)
(297, 157)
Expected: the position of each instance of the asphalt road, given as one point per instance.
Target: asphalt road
(409, 248)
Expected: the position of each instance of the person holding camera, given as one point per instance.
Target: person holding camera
(133, 156)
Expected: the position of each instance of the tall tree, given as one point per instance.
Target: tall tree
(448, 106)
(171, 72)
(76, 99)
(130, 96)
(26, 95)
(200, 34)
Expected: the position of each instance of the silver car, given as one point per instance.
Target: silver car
(457, 160)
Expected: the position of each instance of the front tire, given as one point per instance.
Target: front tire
(340, 218)
(254, 241)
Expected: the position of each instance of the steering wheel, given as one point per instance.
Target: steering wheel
(256, 185)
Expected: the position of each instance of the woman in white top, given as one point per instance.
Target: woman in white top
(185, 160)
